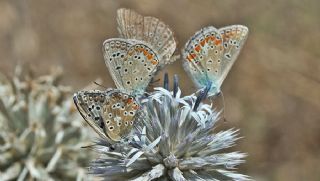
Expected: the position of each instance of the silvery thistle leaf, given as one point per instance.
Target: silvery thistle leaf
(40, 131)
(173, 140)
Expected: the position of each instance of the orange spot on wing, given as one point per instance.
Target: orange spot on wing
(189, 58)
(212, 38)
(136, 107)
(154, 62)
(203, 42)
(197, 48)
(207, 39)
(149, 56)
(217, 42)
(130, 100)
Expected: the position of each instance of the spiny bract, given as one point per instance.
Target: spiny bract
(173, 140)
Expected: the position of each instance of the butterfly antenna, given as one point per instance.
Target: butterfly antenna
(99, 84)
(166, 81)
(88, 146)
(223, 106)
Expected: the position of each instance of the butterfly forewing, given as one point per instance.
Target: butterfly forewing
(131, 64)
(203, 56)
(210, 53)
(110, 113)
(150, 30)
(234, 37)
(90, 104)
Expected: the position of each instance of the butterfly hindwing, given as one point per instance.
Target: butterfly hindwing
(131, 64)
(119, 114)
(150, 30)
(233, 37)
(109, 113)
(210, 54)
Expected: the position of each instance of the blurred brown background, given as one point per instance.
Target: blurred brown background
(272, 93)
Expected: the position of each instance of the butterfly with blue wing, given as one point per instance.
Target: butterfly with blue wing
(210, 53)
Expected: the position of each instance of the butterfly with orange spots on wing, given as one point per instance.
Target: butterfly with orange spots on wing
(110, 113)
(132, 61)
(210, 53)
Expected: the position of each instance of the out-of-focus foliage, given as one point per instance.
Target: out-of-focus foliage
(40, 131)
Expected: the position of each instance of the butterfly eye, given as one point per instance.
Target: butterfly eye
(131, 122)
(108, 122)
(119, 123)
(110, 115)
(126, 123)
(111, 128)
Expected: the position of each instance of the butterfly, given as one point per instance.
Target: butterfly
(131, 63)
(132, 60)
(145, 44)
(153, 32)
(110, 113)
(210, 53)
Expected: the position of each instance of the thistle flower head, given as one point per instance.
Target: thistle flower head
(41, 132)
(173, 140)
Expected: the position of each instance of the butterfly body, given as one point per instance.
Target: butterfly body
(210, 54)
